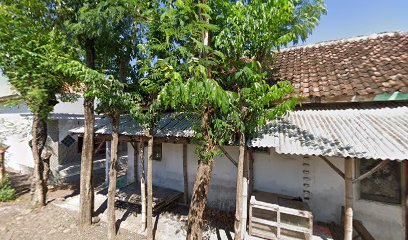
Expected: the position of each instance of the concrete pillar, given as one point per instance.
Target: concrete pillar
(107, 162)
(130, 172)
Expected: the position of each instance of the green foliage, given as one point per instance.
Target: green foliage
(7, 193)
(229, 78)
(28, 49)
(113, 28)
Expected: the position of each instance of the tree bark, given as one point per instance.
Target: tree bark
(199, 199)
(2, 167)
(143, 185)
(203, 177)
(150, 186)
(39, 192)
(239, 194)
(87, 156)
(112, 177)
(86, 187)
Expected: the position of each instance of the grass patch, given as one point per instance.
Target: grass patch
(7, 192)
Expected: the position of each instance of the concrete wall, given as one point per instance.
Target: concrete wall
(67, 155)
(309, 178)
(15, 132)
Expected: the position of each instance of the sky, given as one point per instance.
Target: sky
(350, 18)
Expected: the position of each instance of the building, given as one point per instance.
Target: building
(354, 121)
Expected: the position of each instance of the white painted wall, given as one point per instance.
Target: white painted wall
(15, 132)
(283, 174)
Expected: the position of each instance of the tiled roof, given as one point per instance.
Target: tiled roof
(377, 132)
(360, 66)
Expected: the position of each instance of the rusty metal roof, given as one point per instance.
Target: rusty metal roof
(377, 132)
(170, 125)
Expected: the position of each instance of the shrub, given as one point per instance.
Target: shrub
(7, 193)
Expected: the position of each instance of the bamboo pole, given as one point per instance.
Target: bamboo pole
(348, 213)
(185, 173)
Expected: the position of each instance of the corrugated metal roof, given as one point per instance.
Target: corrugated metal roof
(378, 132)
(170, 125)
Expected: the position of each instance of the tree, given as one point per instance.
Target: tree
(249, 35)
(226, 49)
(28, 48)
(109, 31)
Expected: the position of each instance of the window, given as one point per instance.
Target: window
(68, 141)
(384, 185)
(157, 151)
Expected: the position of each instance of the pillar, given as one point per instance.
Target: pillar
(348, 210)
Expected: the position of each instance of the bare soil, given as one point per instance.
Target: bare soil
(18, 220)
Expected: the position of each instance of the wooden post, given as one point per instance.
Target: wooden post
(348, 213)
(2, 165)
(143, 185)
(239, 195)
(150, 186)
(185, 173)
(245, 186)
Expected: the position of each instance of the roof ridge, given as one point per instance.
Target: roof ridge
(345, 40)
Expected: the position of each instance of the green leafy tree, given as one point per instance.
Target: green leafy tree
(108, 33)
(226, 49)
(28, 49)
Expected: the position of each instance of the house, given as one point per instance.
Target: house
(354, 121)
(15, 132)
(350, 134)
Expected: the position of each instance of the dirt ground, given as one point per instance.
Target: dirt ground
(18, 220)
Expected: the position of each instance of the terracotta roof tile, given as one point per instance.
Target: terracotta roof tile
(357, 66)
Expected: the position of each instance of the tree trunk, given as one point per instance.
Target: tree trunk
(2, 167)
(86, 187)
(143, 185)
(87, 156)
(203, 177)
(39, 193)
(239, 195)
(199, 199)
(150, 186)
(112, 177)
